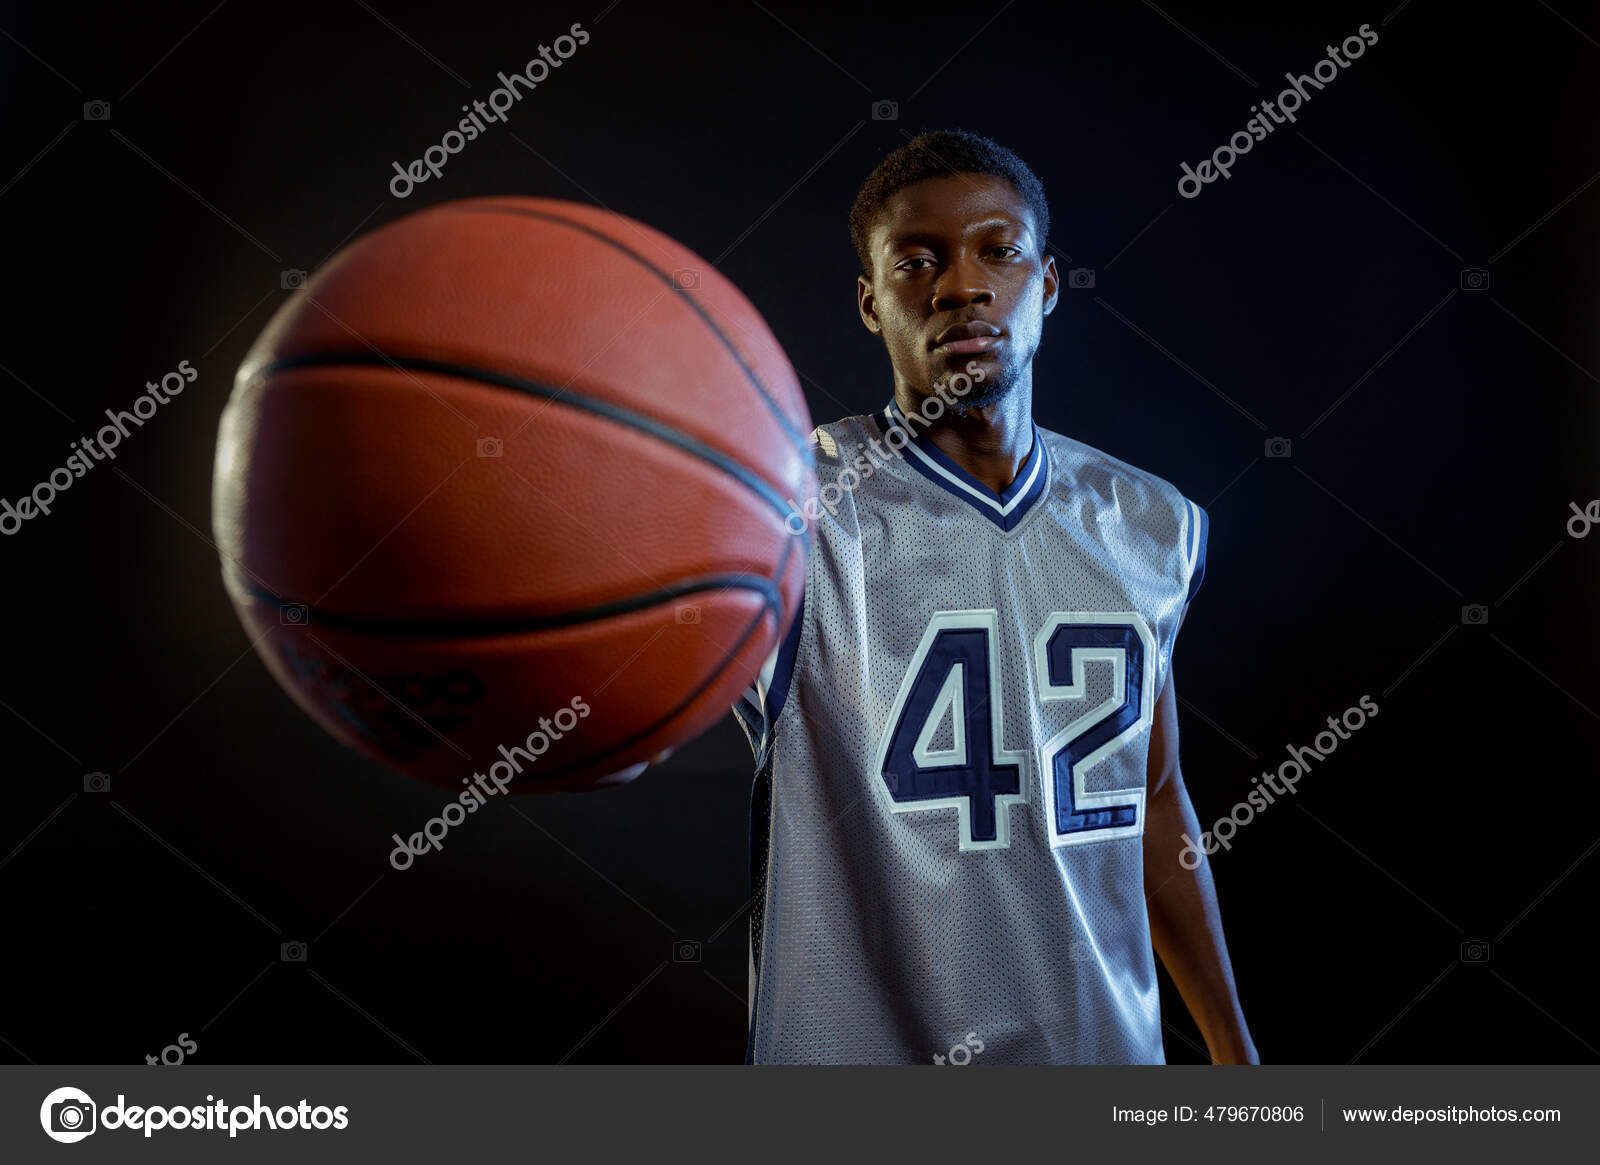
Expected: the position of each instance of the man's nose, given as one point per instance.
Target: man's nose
(963, 283)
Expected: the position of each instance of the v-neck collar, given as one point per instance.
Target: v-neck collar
(1005, 509)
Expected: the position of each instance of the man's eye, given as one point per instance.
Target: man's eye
(1008, 247)
(906, 266)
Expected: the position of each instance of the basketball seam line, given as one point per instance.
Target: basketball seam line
(710, 679)
(799, 441)
(614, 412)
(483, 627)
(773, 604)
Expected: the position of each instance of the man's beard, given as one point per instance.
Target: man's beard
(982, 394)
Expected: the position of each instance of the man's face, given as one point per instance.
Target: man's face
(957, 276)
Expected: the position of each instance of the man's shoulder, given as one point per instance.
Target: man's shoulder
(837, 442)
(1079, 466)
(1152, 512)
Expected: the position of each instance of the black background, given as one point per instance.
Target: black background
(245, 140)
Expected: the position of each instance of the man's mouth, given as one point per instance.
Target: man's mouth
(966, 339)
(969, 347)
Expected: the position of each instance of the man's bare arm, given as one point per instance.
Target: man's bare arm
(1185, 924)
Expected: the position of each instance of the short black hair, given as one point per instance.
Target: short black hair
(940, 154)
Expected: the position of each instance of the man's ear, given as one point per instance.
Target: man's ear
(866, 306)
(1052, 284)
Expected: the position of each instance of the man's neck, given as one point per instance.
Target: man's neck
(990, 443)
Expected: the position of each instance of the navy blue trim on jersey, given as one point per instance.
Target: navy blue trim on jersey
(1197, 539)
(749, 718)
(760, 836)
(783, 667)
(776, 695)
(1006, 509)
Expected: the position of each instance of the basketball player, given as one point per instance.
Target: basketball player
(968, 814)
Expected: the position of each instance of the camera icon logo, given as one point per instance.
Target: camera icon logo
(97, 782)
(490, 447)
(1080, 277)
(294, 615)
(68, 1115)
(1474, 279)
(685, 951)
(1475, 951)
(97, 111)
(292, 952)
(292, 280)
(688, 613)
(1278, 446)
(685, 279)
(1475, 615)
(885, 111)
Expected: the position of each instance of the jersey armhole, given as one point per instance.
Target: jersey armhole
(1198, 527)
(759, 708)
(758, 714)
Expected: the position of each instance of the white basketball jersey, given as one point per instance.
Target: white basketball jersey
(947, 820)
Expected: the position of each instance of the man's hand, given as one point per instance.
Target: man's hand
(623, 776)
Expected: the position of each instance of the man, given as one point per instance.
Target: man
(968, 814)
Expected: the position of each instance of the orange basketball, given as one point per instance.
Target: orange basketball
(504, 485)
